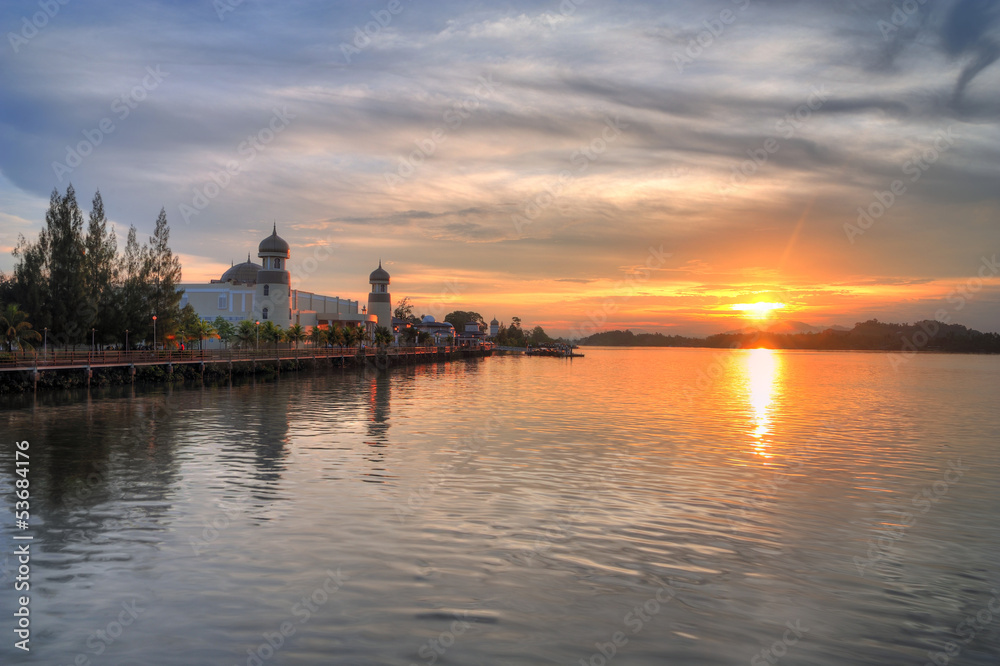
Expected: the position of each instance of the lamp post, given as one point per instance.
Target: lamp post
(45, 343)
(257, 324)
(154, 333)
(126, 340)
(93, 347)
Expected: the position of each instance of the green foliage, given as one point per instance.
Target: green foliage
(74, 282)
(17, 331)
(295, 334)
(539, 336)
(271, 332)
(925, 335)
(382, 336)
(224, 329)
(246, 335)
(404, 310)
(460, 318)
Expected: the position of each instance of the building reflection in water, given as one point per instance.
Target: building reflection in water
(377, 424)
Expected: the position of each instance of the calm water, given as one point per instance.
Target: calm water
(649, 506)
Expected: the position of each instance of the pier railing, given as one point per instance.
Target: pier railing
(67, 359)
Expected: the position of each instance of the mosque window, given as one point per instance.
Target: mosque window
(223, 301)
(267, 290)
(264, 314)
(277, 263)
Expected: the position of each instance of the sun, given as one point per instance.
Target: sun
(758, 310)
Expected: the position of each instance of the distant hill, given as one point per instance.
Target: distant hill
(928, 335)
(788, 327)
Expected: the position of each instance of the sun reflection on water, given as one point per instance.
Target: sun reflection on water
(763, 367)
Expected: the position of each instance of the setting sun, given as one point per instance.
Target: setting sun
(758, 310)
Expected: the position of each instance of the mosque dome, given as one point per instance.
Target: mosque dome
(273, 244)
(494, 322)
(241, 273)
(379, 274)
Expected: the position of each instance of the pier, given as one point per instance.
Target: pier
(82, 365)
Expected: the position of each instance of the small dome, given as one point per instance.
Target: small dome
(273, 244)
(245, 272)
(494, 322)
(428, 319)
(379, 274)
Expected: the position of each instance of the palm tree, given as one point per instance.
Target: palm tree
(317, 336)
(246, 335)
(225, 329)
(17, 331)
(204, 330)
(336, 336)
(294, 334)
(358, 334)
(382, 337)
(271, 332)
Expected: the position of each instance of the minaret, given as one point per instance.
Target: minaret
(494, 328)
(273, 301)
(379, 301)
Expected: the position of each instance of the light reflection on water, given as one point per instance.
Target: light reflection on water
(527, 506)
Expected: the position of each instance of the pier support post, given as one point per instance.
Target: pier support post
(131, 371)
(88, 373)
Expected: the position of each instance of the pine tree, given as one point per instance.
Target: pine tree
(164, 274)
(70, 313)
(133, 305)
(100, 272)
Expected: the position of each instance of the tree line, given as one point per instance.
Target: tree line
(927, 335)
(508, 335)
(73, 283)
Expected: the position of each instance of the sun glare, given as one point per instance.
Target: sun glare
(758, 310)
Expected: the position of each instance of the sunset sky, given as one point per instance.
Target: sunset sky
(581, 165)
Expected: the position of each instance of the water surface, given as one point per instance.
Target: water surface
(636, 506)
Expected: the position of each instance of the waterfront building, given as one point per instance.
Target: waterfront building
(440, 331)
(263, 292)
(473, 336)
(379, 300)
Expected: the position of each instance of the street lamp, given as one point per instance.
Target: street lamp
(126, 340)
(93, 332)
(45, 343)
(257, 324)
(154, 333)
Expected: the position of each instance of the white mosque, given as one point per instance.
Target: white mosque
(263, 292)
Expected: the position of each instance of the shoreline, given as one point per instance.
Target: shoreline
(219, 369)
